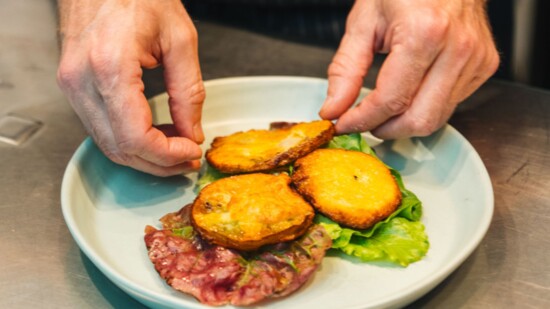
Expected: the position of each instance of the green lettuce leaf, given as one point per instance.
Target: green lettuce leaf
(397, 241)
(353, 141)
(210, 175)
(184, 232)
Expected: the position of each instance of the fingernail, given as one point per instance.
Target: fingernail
(191, 166)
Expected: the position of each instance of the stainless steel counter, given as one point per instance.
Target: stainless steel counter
(41, 266)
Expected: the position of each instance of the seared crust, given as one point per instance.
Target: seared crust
(350, 187)
(261, 150)
(248, 211)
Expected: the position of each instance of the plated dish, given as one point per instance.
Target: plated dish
(106, 206)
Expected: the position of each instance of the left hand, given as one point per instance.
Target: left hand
(439, 53)
(105, 45)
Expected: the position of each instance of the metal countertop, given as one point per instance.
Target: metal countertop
(41, 266)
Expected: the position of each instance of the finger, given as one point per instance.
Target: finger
(168, 151)
(398, 82)
(478, 70)
(484, 61)
(131, 122)
(346, 73)
(163, 171)
(432, 105)
(184, 81)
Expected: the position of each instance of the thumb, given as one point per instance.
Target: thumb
(184, 82)
(346, 73)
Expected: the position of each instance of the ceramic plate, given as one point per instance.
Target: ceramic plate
(107, 206)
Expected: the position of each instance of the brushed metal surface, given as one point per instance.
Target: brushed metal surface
(41, 266)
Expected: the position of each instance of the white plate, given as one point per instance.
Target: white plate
(106, 206)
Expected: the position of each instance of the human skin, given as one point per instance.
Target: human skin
(439, 53)
(105, 45)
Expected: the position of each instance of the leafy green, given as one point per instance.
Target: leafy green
(184, 232)
(398, 241)
(210, 175)
(353, 141)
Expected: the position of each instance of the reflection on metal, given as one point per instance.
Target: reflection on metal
(523, 35)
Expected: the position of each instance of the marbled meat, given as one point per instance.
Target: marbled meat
(218, 276)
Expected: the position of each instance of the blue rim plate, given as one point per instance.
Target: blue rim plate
(106, 207)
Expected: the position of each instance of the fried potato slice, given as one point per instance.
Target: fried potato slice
(248, 211)
(350, 187)
(261, 150)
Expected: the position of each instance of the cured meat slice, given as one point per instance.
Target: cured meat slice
(218, 276)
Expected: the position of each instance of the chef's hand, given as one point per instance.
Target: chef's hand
(439, 53)
(105, 44)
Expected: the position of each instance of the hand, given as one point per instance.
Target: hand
(105, 44)
(440, 52)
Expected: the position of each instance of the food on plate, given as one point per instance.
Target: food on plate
(261, 150)
(350, 187)
(250, 236)
(248, 211)
(399, 238)
(217, 276)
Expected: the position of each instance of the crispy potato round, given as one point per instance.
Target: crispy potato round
(248, 211)
(261, 150)
(350, 187)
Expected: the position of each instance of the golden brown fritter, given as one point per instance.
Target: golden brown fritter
(248, 211)
(350, 187)
(261, 150)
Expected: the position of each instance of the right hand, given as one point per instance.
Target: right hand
(105, 44)
(439, 53)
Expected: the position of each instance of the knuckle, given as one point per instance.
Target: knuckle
(339, 65)
(185, 149)
(494, 62)
(193, 95)
(424, 126)
(128, 146)
(117, 157)
(336, 67)
(398, 105)
(344, 66)
(114, 154)
(465, 45)
(197, 94)
(100, 60)
(191, 35)
(188, 36)
(68, 75)
(487, 63)
(430, 29)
